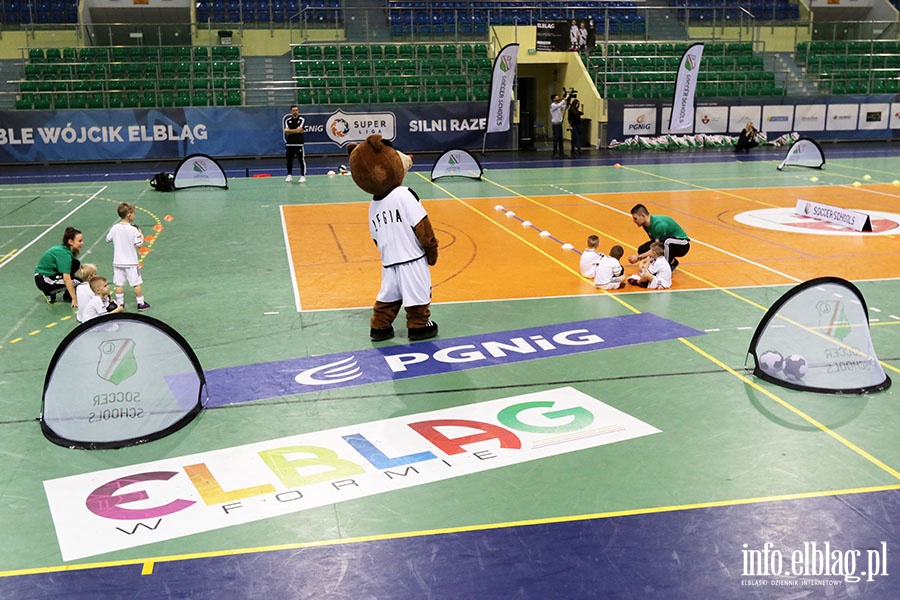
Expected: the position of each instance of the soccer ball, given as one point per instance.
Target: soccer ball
(771, 362)
(795, 367)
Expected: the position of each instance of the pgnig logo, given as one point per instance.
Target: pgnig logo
(441, 359)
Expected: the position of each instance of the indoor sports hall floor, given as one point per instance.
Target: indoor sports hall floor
(711, 468)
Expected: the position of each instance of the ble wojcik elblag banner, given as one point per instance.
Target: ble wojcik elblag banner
(171, 133)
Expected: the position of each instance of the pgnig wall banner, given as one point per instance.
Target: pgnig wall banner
(825, 118)
(171, 133)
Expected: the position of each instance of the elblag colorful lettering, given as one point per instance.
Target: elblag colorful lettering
(120, 508)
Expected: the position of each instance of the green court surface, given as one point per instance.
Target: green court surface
(219, 273)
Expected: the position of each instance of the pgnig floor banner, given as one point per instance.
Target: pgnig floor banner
(372, 365)
(171, 133)
(130, 506)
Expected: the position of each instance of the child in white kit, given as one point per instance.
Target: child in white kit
(656, 273)
(83, 290)
(606, 271)
(98, 303)
(126, 238)
(590, 257)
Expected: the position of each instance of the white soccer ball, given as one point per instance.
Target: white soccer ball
(331, 173)
(771, 362)
(795, 367)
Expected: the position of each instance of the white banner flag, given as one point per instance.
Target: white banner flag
(685, 86)
(502, 80)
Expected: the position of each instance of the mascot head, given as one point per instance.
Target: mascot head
(376, 167)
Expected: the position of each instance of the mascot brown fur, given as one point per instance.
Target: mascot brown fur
(402, 232)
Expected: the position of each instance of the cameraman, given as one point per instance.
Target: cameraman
(557, 108)
(575, 113)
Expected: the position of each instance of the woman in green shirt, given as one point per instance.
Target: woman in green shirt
(56, 269)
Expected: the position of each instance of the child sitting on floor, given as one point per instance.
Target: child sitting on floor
(656, 274)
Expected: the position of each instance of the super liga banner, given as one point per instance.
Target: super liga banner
(502, 80)
(685, 85)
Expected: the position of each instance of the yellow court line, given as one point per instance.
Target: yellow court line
(148, 564)
(8, 254)
(731, 371)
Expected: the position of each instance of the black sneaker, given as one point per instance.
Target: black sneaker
(380, 335)
(50, 298)
(674, 264)
(423, 333)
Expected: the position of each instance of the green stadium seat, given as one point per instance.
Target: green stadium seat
(96, 100)
(233, 98)
(148, 99)
(385, 95)
(337, 96)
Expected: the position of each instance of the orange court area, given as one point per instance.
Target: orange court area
(513, 247)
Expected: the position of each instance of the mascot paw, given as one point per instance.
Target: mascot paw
(379, 335)
(423, 333)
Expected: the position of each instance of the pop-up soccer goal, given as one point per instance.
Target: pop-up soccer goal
(118, 380)
(816, 338)
(456, 163)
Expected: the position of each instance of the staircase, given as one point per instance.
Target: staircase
(10, 70)
(663, 23)
(366, 21)
(788, 74)
(269, 81)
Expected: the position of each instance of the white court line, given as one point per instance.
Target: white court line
(693, 240)
(50, 228)
(290, 259)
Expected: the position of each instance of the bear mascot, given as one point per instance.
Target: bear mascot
(403, 235)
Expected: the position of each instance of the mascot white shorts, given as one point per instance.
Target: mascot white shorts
(409, 282)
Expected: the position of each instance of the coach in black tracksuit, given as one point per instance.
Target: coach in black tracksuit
(293, 142)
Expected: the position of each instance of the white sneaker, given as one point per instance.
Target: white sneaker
(288, 179)
(302, 179)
